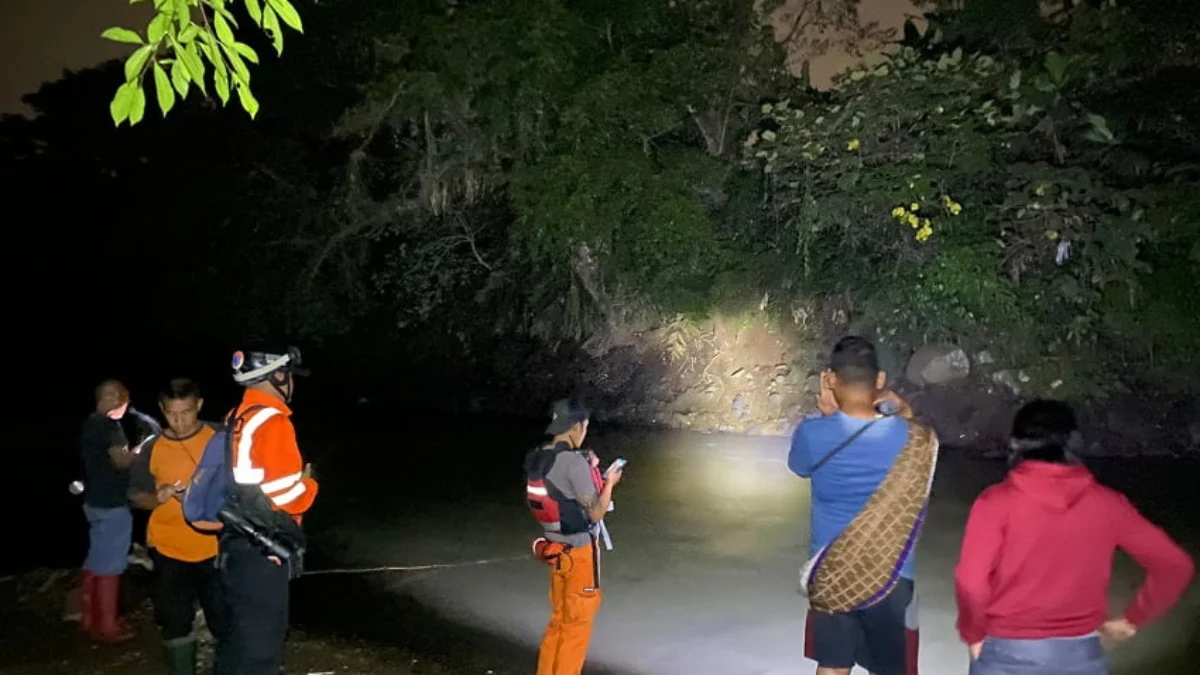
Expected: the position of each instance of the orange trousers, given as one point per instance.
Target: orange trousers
(574, 599)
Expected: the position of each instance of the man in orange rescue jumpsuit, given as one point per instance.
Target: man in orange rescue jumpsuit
(568, 497)
(265, 455)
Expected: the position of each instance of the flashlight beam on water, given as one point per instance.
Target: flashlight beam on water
(76, 488)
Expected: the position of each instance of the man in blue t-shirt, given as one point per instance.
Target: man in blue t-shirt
(882, 638)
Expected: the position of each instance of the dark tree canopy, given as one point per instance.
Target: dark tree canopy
(435, 178)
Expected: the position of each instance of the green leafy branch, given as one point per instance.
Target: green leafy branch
(180, 37)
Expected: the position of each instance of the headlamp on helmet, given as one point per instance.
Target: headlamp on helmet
(254, 367)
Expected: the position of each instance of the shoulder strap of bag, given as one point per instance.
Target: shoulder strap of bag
(848, 441)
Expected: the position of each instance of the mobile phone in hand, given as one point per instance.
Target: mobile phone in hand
(617, 464)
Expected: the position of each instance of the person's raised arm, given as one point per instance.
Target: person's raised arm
(142, 492)
(121, 457)
(98, 434)
(903, 409)
(595, 504)
(799, 458)
(826, 402)
(579, 477)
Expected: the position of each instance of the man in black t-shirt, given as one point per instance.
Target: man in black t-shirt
(106, 462)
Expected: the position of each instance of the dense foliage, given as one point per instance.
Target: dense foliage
(1009, 201)
(560, 163)
(446, 178)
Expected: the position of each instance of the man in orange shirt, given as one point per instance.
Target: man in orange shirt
(184, 558)
(273, 488)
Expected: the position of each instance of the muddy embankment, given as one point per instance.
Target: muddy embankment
(750, 374)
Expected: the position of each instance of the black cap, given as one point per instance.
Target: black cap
(565, 414)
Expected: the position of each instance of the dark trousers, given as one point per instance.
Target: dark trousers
(883, 639)
(256, 591)
(178, 587)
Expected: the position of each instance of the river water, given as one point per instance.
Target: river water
(709, 531)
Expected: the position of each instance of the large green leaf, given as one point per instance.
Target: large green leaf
(287, 13)
(122, 35)
(164, 90)
(121, 102)
(137, 61)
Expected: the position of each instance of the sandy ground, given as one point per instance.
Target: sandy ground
(709, 532)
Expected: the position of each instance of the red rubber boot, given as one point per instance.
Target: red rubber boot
(107, 626)
(87, 601)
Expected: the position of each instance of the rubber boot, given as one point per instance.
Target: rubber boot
(87, 601)
(107, 626)
(181, 655)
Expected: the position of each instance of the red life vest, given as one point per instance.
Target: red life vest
(550, 507)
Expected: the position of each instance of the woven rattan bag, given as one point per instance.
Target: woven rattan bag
(861, 566)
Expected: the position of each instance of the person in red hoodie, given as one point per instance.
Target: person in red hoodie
(1032, 578)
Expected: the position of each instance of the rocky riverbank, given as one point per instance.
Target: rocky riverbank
(751, 374)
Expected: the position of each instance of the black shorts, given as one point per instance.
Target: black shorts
(883, 638)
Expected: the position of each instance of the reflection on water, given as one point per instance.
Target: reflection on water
(708, 532)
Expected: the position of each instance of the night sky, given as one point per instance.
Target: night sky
(39, 39)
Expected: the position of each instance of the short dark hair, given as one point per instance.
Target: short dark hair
(854, 361)
(109, 387)
(178, 389)
(1044, 430)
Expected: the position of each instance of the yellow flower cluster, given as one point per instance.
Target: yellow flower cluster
(923, 226)
(853, 145)
(908, 216)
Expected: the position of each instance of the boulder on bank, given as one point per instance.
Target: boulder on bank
(938, 364)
